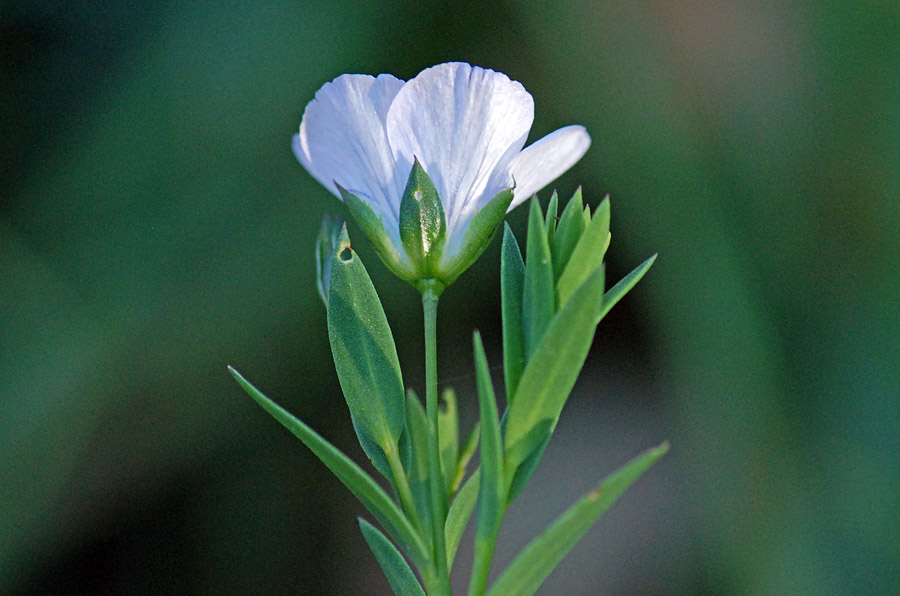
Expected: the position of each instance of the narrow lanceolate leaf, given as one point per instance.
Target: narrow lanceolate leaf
(458, 517)
(417, 470)
(402, 579)
(625, 284)
(569, 230)
(465, 456)
(492, 493)
(512, 281)
(360, 484)
(364, 353)
(448, 434)
(587, 255)
(529, 570)
(551, 372)
(538, 300)
(551, 218)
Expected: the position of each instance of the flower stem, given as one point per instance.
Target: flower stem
(437, 491)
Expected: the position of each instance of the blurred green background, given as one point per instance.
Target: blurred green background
(154, 227)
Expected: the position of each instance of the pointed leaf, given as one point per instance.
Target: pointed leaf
(568, 232)
(458, 516)
(512, 281)
(492, 492)
(587, 255)
(538, 299)
(530, 460)
(402, 579)
(551, 218)
(618, 291)
(551, 373)
(364, 353)
(417, 471)
(448, 434)
(351, 475)
(465, 456)
(529, 570)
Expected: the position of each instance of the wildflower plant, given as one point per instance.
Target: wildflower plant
(428, 168)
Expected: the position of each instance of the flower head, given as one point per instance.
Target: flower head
(454, 133)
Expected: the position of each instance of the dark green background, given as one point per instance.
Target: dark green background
(154, 227)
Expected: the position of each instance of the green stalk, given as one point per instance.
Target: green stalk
(430, 292)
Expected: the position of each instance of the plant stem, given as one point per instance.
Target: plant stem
(437, 492)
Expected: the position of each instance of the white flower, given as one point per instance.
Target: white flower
(467, 127)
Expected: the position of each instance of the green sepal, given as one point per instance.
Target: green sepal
(364, 353)
(349, 473)
(538, 299)
(532, 566)
(374, 228)
(417, 470)
(512, 283)
(569, 230)
(587, 255)
(397, 571)
(492, 491)
(477, 237)
(551, 373)
(331, 234)
(448, 434)
(423, 226)
(618, 291)
(459, 514)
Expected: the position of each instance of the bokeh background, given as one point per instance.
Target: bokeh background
(154, 227)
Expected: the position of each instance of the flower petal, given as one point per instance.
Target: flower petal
(546, 159)
(463, 123)
(342, 139)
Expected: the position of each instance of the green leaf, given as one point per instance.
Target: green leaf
(512, 281)
(465, 456)
(587, 255)
(532, 566)
(423, 226)
(332, 232)
(551, 372)
(375, 453)
(364, 353)
(492, 493)
(551, 217)
(417, 471)
(448, 435)
(349, 473)
(530, 460)
(568, 232)
(458, 516)
(375, 230)
(538, 299)
(402, 579)
(625, 284)
(478, 236)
